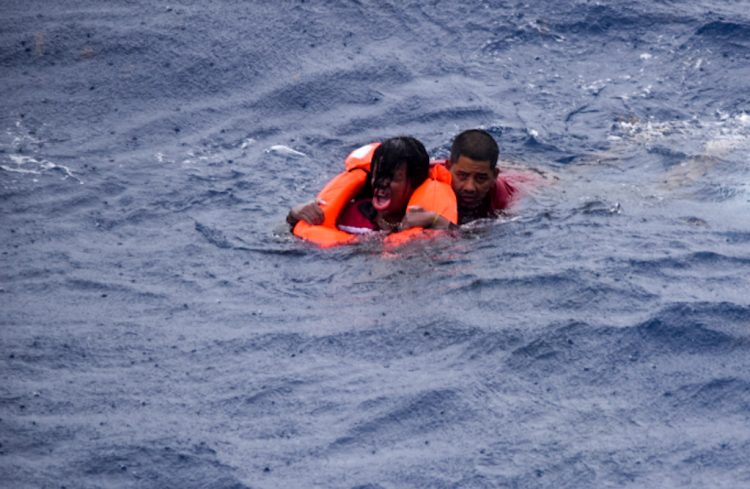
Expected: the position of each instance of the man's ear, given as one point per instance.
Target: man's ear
(496, 172)
(448, 164)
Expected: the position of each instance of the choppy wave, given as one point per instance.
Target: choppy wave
(161, 328)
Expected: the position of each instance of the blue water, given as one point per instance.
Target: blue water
(160, 327)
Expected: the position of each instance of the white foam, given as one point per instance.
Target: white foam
(597, 85)
(247, 142)
(22, 161)
(286, 151)
(722, 138)
(19, 170)
(724, 145)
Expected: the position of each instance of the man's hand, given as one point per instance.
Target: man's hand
(310, 212)
(418, 217)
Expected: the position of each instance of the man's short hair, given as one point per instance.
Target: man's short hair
(403, 149)
(476, 144)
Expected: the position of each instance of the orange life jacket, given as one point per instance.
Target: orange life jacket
(435, 194)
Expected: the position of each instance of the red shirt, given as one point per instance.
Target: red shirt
(358, 217)
(503, 194)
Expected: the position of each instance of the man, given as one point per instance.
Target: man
(480, 190)
(473, 166)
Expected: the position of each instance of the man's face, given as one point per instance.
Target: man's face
(392, 196)
(472, 181)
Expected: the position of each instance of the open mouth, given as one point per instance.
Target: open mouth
(381, 199)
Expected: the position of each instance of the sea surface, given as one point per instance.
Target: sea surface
(160, 327)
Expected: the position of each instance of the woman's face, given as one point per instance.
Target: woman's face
(390, 197)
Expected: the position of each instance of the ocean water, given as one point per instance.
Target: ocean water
(160, 328)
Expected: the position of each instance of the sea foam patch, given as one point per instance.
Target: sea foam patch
(30, 165)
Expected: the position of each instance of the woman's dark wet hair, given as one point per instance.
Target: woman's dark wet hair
(393, 152)
(476, 144)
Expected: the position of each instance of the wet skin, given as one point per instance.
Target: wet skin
(390, 197)
(472, 182)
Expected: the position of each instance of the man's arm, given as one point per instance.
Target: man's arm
(418, 217)
(310, 212)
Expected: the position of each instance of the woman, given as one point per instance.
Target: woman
(399, 166)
